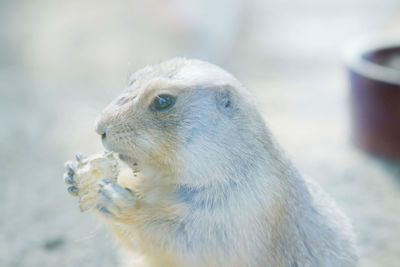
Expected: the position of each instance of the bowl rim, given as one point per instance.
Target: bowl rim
(355, 61)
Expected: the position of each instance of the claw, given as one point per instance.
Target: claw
(70, 166)
(73, 190)
(68, 178)
(104, 211)
(115, 187)
(104, 182)
(79, 157)
(104, 196)
(130, 191)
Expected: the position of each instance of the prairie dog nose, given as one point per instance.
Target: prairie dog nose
(103, 128)
(103, 133)
(100, 126)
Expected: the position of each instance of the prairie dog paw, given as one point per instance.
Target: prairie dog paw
(83, 176)
(115, 201)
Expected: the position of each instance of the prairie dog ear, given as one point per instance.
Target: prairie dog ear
(225, 100)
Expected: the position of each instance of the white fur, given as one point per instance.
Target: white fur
(215, 188)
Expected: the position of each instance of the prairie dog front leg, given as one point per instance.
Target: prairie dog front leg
(93, 181)
(115, 201)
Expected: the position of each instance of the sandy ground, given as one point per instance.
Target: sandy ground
(61, 62)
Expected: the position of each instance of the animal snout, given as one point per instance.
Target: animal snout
(102, 129)
(106, 144)
(100, 126)
(103, 137)
(103, 133)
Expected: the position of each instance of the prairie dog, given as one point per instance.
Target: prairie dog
(211, 185)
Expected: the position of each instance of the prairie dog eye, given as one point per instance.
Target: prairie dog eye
(162, 102)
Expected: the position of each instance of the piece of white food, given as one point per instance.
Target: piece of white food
(89, 172)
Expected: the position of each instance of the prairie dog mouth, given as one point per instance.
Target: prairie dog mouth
(129, 160)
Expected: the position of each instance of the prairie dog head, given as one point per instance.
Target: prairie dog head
(187, 120)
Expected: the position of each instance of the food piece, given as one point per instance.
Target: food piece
(89, 172)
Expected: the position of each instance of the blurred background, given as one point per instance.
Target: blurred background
(61, 62)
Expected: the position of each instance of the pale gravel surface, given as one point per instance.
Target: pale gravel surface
(61, 62)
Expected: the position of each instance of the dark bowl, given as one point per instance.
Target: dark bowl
(374, 76)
